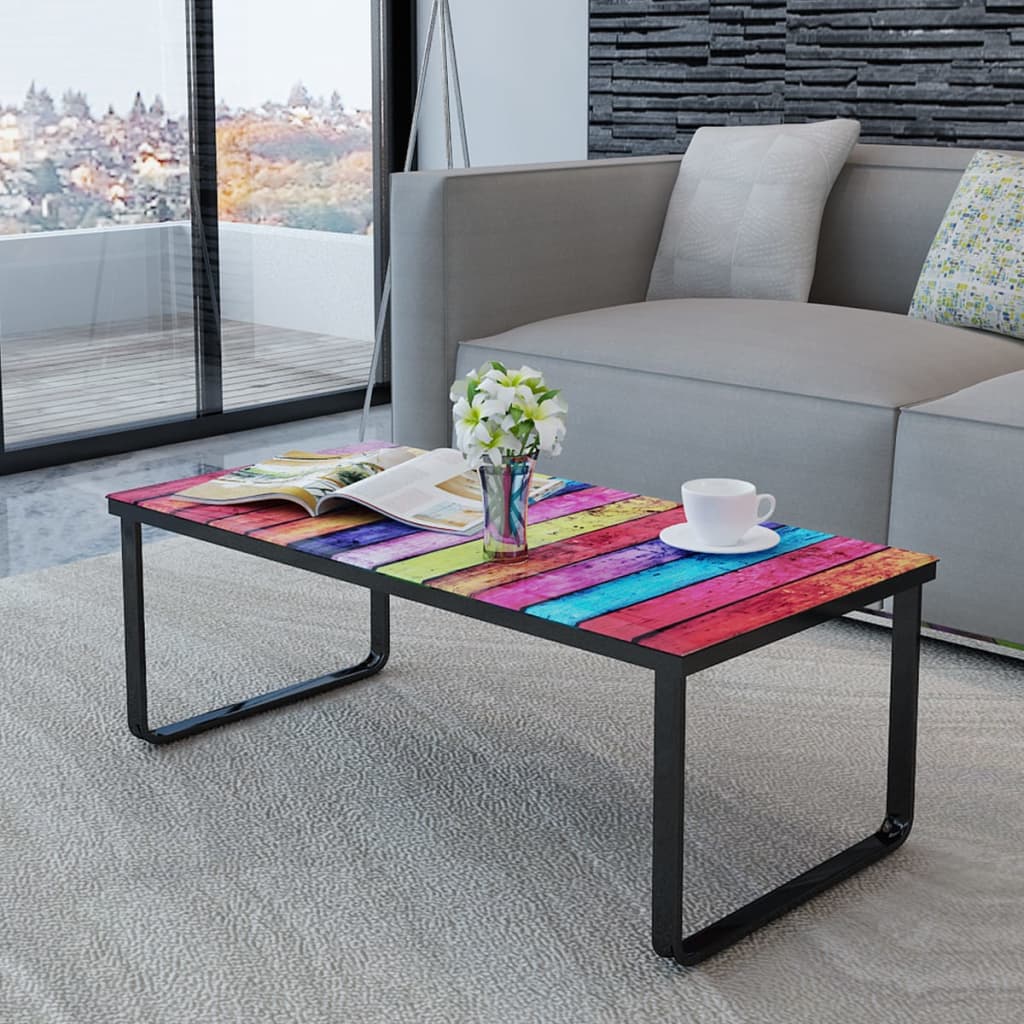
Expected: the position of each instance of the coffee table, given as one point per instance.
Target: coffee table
(598, 578)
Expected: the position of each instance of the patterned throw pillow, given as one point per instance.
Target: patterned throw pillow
(743, 218)
(974, 273)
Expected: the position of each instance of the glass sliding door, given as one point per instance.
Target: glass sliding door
(95, 252)
(188, 191)
(295, 189)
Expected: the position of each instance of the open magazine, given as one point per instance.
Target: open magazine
(433, 490)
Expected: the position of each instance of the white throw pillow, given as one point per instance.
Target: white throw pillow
(744, 215)
(973, 275)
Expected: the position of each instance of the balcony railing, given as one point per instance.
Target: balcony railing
(96, 325)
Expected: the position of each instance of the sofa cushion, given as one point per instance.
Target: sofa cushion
(973, 275)
(958, 492)
(850, 355)
(801, 399)
(744, 215)
(998, 402)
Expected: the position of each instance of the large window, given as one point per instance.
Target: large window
(187, 202)
(294, 141)
(95, 275)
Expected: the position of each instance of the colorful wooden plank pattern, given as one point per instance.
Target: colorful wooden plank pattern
(644, 617)
(574, 499)
(596, 563)
(783, 602)
(470, 553)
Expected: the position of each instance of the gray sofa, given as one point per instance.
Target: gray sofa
(859, 419)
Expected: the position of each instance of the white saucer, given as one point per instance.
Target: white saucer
(683, 535)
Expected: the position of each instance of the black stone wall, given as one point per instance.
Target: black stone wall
(937, 72)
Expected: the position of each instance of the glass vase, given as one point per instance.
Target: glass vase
(506, 495)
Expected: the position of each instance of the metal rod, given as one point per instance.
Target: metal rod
(906, 655)
(669, 747)
(667, 841)
(135, 659)
(446, 104)
(134, 627)
(463, 137)
(378, 346)
(440, 19)
(385, 293)
(418, 103)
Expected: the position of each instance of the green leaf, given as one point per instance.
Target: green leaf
(548, 394)
(471, 390)
(495, 365)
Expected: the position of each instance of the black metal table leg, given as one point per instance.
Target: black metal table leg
(669, 772)
(906, 657)
(135, 658)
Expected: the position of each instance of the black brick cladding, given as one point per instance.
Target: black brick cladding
(936, 72)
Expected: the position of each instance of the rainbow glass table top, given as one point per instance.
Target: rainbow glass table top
(595, 562)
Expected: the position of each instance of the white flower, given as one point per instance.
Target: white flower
(494, 403)
(460, 387)
(547, 421)
(501, 413)
(502, 395)
(469, 424)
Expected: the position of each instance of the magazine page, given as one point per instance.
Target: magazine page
(435, 491)
(306, 478)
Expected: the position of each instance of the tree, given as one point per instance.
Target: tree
(317, 216)
(75, 104)
(337, 107)
(138, 107)
(157, 109)
(47, 181)
(47, 111)
(299, 96)
(39, 103)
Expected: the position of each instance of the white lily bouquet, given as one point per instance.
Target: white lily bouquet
(503, 414)
(504, 419)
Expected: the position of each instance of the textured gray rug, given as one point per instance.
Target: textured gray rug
(466, 836)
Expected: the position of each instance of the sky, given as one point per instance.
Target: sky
(109, 50)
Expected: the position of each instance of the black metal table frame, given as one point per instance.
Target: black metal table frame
(670, 675)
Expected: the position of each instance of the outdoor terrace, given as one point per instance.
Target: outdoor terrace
(70, 381)
(96, 326)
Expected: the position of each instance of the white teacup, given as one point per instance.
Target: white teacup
(721, 511)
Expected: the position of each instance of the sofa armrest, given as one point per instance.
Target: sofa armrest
(476, 252)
